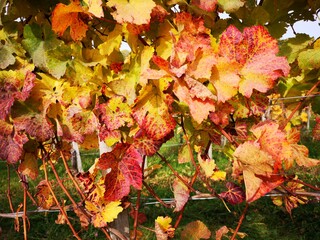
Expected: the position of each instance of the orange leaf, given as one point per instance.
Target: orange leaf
(195, 231)
(197, 96)
(29, 166)
(72, 15)
(247, 61)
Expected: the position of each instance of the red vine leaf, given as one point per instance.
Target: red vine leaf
(115, 113)
(146, 145)
(181, 194)
(12, 147)
(10, 90)
(234, 195)
(125, 164)
(36, 125)
(194, 36)
(247, 61)
(272, 140)
(206, 5)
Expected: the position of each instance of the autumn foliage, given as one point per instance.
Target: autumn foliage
(65, 77)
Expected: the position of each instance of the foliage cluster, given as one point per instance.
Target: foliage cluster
(65, 79)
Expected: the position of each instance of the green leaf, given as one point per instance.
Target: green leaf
(309, 59)
(6, 57)
(293, 46)
(230, 5)
(47, 52)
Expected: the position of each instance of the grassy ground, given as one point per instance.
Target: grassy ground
(263, 220)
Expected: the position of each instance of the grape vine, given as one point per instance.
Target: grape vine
(65, 77)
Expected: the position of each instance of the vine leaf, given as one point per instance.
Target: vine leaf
(230, 6)
(47, 52)
(199, 105)
(44, 197)
(195, 231)
(125, 164)
(309, 59)
(137, 12)
(115, 113)
(152, 111)
(254, 66)
(221, 232)
(273, 141)
(300, 155)
(95, 7)
(36, 125)
(206, 5)
(234, 195)
(10, 88)
(12, 146)
(163, 228)
(72, 15)
(208, 165)
(146, 145)
(104, 212)
(257, 171)
(29, 166)
(291, 201)
(316, 129)
(181, 194)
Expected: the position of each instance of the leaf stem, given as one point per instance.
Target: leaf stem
(136, 213)
(176, 173)
(152, 192)
(305, 184)
(298, 106)
(75, 205)
(24, 217)
(71, 176)
(240, 222)
(75, 234)
(9, 190)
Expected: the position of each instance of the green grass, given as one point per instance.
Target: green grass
(263, 220)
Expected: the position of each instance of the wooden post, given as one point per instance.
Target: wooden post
(76, 158)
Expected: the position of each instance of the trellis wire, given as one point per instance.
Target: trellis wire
(150, 201)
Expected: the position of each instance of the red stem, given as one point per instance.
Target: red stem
(176, 173)
(240, 222)
(298, 106)
(136, 213)
(24, 216)
(75, 234)
(152, 192)
(71, 177)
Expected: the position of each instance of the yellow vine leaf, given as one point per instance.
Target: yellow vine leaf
(104, 213)
(95, 7)
(137, 12)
